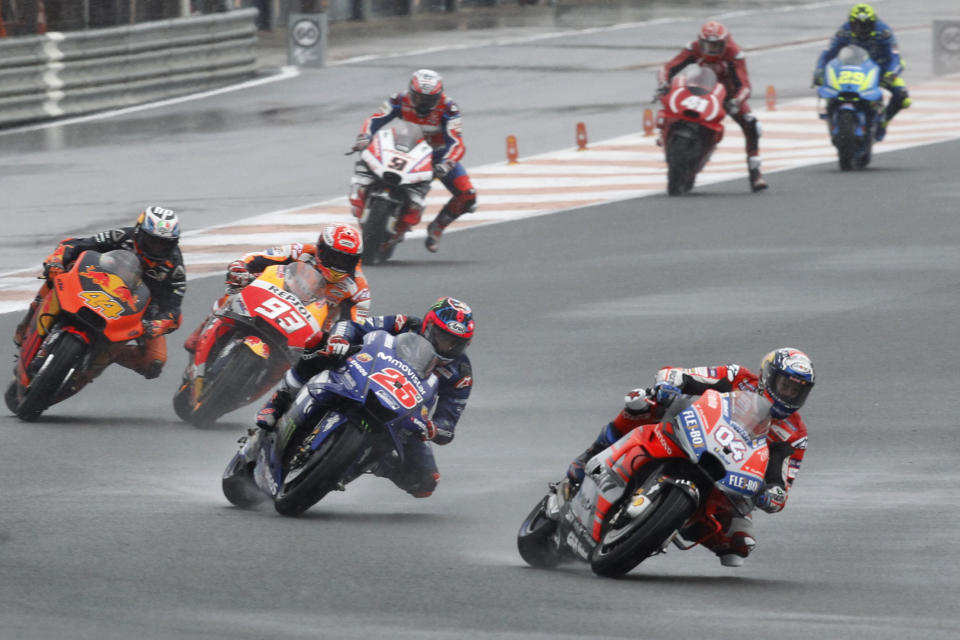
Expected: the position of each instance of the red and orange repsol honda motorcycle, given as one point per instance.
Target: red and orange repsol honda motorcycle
(660, 482)
(250, 342)
(94, 307)
(690, 125)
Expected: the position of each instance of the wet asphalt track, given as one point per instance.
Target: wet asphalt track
(111, 520)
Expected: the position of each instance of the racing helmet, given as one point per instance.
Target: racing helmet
(713, 38)
(426, 88)
(156, 234)
(786, 378)
(448, 326)
(863, 20)
(339, 248)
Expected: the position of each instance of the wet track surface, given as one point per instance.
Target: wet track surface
(112, 524)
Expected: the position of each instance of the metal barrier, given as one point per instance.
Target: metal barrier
(64, 74)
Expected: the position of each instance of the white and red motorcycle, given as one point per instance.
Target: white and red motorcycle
(398, 163)
(656, 484)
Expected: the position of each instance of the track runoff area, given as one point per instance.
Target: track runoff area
(590, 173)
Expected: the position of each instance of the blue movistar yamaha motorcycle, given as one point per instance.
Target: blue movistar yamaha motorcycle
(342, 424)
(853, 105)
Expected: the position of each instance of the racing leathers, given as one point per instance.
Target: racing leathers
(731, 70)
(166, 279)
(786, 441)
(442, 129)
(418, 473)
(348, 299)
(882, 47)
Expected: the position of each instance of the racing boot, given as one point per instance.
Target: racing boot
(273, 410)
(140, 360)
(608, 435)
(757, 183)
(190, 344)
(435, 228)
(881, 131)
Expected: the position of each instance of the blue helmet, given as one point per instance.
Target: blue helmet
(786, 378)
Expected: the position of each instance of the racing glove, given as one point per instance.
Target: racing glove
(154, 328)
(662, 89)
(429, 431)
(441, 169)
(817, 78)
(732, 107)
(237, 276)
(361, 142)
(335, 347)
(667, 386)
(52, 269)
(773, 499)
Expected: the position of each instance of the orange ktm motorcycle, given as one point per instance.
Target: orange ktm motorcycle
(250, 342)
(86, 313)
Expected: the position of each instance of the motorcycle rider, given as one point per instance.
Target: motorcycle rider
(448, 325)
(715, 48)
(865, 30)
(336, 255)
(426, 105)
(154, 238)
(785, 379)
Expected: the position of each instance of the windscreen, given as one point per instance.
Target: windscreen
(702, 77)
(406, 136)
(751, 411)
(303, 281)
(124, 264)
(853, 56)
(417, 352)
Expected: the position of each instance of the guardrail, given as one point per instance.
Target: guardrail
(65, 74)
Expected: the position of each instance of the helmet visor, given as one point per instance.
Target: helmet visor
(337, 261)
(447, 345)
(713, 47)
(423, 102)
(789, 390)
(155, 247)
(862, 28)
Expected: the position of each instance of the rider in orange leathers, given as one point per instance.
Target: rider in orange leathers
(336, 255)
(426, 105)
(786, 378)
(715, 48)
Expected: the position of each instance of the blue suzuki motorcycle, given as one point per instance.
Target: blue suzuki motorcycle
(854, 105)
(343, 423)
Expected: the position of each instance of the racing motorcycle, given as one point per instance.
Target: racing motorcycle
(660, 482)
(371, 405)
(690, 125)
(251, 340)
(851, 102)
(97, 305)
(401, 164)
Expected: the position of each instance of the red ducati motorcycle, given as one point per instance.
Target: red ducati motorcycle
(690, 125)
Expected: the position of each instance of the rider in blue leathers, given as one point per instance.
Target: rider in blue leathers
(448, 325)
(865, 30)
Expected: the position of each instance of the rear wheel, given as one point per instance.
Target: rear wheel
(682, 155)
(227, 385)
(625, 546)
(375, 232)
(65, 356)
(846, 139)
(321, 472)
(533, 540)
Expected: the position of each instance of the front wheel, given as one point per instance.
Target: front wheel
(60, 362)
(314, 477)
(846, 140)
(226, 387)
(627, 544)
(682, 155)
(376, 231)
(533, 539)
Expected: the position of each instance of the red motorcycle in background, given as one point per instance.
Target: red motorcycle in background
(690, 125)
(96, 306)
(251, 341)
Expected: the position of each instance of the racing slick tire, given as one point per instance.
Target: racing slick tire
(60, 362)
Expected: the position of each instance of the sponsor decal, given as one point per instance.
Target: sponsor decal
(663, 441)
(364, 357)
(464, 383)
(399, 364)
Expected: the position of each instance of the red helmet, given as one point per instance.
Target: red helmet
(448, 326)
(713, 38)
(339, 248)
(426, 87)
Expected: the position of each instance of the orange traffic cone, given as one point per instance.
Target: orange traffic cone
(512, 152)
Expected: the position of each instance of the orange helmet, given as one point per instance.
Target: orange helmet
(339, 248)
(713, 38)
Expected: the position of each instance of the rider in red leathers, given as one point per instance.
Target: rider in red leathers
(715, 48)
(426, 105)
(786, 378)
(336, 255)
